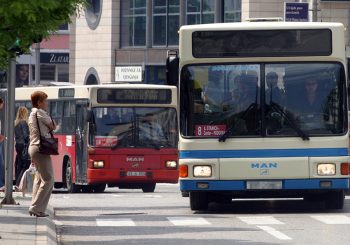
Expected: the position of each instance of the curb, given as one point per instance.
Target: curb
(48, 227)
(44, 229)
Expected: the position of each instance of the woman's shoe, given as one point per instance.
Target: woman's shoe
(37, 214)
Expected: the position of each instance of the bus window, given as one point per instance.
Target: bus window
(56, 114)
(68, 120)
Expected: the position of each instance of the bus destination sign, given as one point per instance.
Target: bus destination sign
(66, 93)
(134, 96)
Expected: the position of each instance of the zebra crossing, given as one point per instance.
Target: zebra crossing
(249, 220)
(268, 224)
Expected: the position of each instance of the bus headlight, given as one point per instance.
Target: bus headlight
(202, 171)
(171, 164)
(98, 164)
(326, 169)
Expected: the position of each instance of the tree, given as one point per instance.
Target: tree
(24, 22)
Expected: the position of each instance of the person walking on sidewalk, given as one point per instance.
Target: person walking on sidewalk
(22, 161)
(44, 177)
(2, 166)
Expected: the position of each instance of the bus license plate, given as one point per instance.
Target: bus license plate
(264, 185)
(135, 173)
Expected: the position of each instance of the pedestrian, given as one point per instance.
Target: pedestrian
(22, 161)
(44, 177)
(2, 166)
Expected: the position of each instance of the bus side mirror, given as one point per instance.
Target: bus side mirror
(172, 68)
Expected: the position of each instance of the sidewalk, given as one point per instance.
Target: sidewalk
(18, 227)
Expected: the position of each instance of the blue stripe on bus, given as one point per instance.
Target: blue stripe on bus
(309, 152)
(240, 185)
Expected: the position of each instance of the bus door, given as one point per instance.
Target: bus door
(81, 142)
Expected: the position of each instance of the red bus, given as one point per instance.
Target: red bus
(121, 135)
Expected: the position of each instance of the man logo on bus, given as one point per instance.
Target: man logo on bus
(135, 159)
(264, 165)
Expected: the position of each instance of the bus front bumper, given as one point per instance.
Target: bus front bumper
(263, 185)
(110, 176)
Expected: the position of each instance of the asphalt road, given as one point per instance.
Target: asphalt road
(164, 217)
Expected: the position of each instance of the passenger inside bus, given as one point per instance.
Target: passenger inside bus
(312, 104)
(213, 95)
(273, 93)
(150, 129)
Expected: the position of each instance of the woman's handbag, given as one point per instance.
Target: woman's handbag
(47, 146)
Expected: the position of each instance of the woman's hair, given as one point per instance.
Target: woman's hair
(22, 114)
(38, 96)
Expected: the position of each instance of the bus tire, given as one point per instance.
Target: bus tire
(149, 187)
(199, 201)
(71, 187)
(185, 194)
(99, 188)
(334, 200)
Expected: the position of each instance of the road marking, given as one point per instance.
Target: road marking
(279, 235)
(117, 195)
(260, 220)
(182, 221)
(332, 219)
(56, 222)
(115, 222)
(152, 196)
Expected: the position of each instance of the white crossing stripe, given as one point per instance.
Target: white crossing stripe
(332, 219)
(260, 220)
(152, 196)
(115, 222)
(275, 233)
(182, 221)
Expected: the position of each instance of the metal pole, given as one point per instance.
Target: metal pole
(10, 118)
(37, 63)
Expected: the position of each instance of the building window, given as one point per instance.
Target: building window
(200, 11)
(133, 23)
(63, 27)
(93, 13)
(63, 73)
(232, 11)
(155, 75)
(166, 22)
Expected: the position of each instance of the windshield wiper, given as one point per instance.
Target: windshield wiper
(227, 133)
(290, 121)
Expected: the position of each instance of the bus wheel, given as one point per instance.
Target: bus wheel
(185, 194)
(71, 187)
(198, 201)
(334, 200)
(99, 188)
(87, 189)
(149, 187)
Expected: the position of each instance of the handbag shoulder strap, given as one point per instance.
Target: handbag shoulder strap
(37, 122)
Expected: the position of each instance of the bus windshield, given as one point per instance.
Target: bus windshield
(142, 127)
(263, 100)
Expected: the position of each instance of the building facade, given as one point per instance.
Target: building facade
(128, 33)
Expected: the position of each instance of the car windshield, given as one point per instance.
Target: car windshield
(263, 100)
(144, 127)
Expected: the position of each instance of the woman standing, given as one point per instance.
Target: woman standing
(22, 161)
(44, 177)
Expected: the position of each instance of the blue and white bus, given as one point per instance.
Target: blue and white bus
(263, 112)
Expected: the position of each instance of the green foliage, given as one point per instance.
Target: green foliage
(30, 20)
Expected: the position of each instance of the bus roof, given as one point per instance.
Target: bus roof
(80, 91)
(273, 25)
